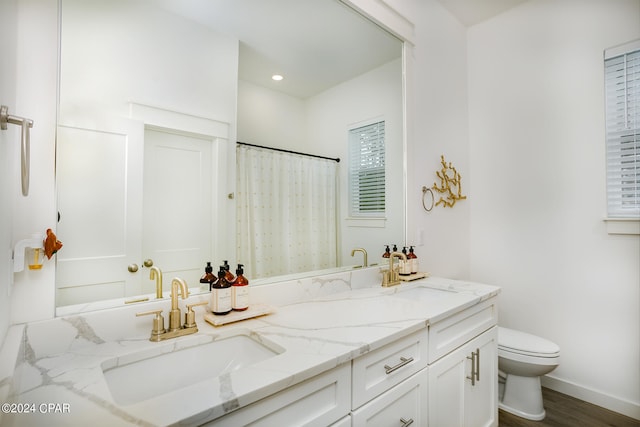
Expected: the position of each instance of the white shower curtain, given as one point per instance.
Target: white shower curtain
(286, 212)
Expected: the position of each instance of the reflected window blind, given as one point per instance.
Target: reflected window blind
(622, 88)
(366, 170)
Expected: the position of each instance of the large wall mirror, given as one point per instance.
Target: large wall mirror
(154, 96)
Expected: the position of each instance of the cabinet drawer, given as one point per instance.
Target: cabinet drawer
(318, 401)
(452, 332)
(404, 404)
(379, 370)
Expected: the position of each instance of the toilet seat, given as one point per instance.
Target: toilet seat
(516, 343)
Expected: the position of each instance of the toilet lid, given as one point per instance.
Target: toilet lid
(522, 342)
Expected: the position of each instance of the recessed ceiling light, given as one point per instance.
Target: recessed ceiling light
(277, 77)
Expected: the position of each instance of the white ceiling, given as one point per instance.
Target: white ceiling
(315, 44)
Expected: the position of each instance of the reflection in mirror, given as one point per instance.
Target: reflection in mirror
(153, 97)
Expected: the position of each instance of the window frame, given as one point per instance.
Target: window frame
(621, 220)
(355, 203)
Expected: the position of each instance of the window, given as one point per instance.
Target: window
(622, 90)
(366, 170)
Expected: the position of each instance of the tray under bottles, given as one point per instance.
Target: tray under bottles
(414, 276)
(254, 310)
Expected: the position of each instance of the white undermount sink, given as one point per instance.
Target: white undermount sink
(157, 374)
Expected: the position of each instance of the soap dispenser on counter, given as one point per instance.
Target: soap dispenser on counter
(208, 278)
(220, 302)
(386, 255)
(34, 250)
(405, 264)
(240, 291)
(413, 261)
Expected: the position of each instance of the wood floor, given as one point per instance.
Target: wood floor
(567, 411)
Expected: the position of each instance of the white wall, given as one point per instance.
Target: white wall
(270, 118)
(36, 76)
(151, 56)
(537, 190)
(329, 117)
(438, 126)
(9, 155)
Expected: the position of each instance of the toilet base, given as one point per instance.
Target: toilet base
(523, 397)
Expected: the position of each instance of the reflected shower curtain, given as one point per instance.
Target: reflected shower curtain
(286, 212)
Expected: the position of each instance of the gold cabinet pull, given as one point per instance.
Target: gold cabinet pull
(132, 268)
(475, 366)
(148, 262)
(403, 361)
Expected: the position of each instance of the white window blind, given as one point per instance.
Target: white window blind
(622, 88)
(366, 170)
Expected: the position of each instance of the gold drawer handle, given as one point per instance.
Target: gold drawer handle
(403, 361)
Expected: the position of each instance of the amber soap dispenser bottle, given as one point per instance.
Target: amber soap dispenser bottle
(240, 291)
(220, 302)
(208, 277)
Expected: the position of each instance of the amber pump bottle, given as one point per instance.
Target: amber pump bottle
(208, 277)
(240, 291)
(220, 302)
(405, 269)
(387, 252)
(413, 261)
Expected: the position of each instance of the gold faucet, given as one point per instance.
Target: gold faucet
(392, 277)
(159, 333)
(174, 314)
(364, 252)
(156, 273)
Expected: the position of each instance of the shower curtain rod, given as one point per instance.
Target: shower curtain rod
(337, 159)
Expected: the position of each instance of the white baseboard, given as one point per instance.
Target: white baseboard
(612, 403)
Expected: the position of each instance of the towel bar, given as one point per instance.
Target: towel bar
(25, 124)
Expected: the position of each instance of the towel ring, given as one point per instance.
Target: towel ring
(424, 191)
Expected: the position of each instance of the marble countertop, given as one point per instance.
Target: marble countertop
(63, 358)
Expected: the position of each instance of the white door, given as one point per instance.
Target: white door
(177, 209)
(99, 185)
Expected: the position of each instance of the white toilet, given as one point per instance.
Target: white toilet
(522, 359)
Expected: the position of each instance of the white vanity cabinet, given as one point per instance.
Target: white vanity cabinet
(463, 383)
(390, 384)
(444, 374)
(403, 405)
(319, 401)
(379, 370)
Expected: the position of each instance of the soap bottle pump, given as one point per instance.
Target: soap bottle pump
(413, 260)
(228, 274)
(220, 302)
(240, 291)
(208, 277)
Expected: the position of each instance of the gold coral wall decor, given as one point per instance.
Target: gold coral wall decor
(450, 188)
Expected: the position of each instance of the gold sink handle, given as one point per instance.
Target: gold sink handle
(158, 323)
(190, 315)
